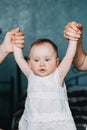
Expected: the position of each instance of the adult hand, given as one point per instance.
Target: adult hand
(73, 31)
(9, 40)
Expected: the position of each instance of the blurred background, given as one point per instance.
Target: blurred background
(40, 19)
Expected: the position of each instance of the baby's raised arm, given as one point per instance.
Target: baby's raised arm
(18, 54)
(66, 63)
(22, 63)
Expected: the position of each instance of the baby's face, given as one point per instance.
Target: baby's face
(43, 59)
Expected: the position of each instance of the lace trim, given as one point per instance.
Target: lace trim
(48, 117)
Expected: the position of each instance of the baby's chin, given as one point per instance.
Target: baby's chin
(42, 74)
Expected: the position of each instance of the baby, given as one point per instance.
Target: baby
(46, 106)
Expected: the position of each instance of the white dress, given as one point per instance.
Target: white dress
(46, 106)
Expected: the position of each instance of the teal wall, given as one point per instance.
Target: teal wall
(40, 19)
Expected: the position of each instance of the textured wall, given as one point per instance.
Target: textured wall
(37, 19)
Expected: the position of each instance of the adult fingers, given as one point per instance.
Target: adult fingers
(75, 26)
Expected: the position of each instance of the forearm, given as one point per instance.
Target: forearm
(18, 55)
(22, 63)
(3, 53)
(80, 57)
(71, 50)
(68, 59)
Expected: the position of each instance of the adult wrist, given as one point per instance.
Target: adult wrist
(3, 51)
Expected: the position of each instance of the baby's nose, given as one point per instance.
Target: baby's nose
(42, 63)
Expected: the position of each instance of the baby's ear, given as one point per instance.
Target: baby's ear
(57, 61)
(28, 61)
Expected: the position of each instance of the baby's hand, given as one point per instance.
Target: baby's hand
(73, 31)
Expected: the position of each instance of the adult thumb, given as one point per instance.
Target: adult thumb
(16, 30)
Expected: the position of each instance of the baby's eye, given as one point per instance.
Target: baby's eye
(47, 59)
(36, 60)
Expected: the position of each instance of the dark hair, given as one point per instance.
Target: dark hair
(42, 41)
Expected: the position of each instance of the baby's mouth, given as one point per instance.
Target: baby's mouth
(42, 70)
